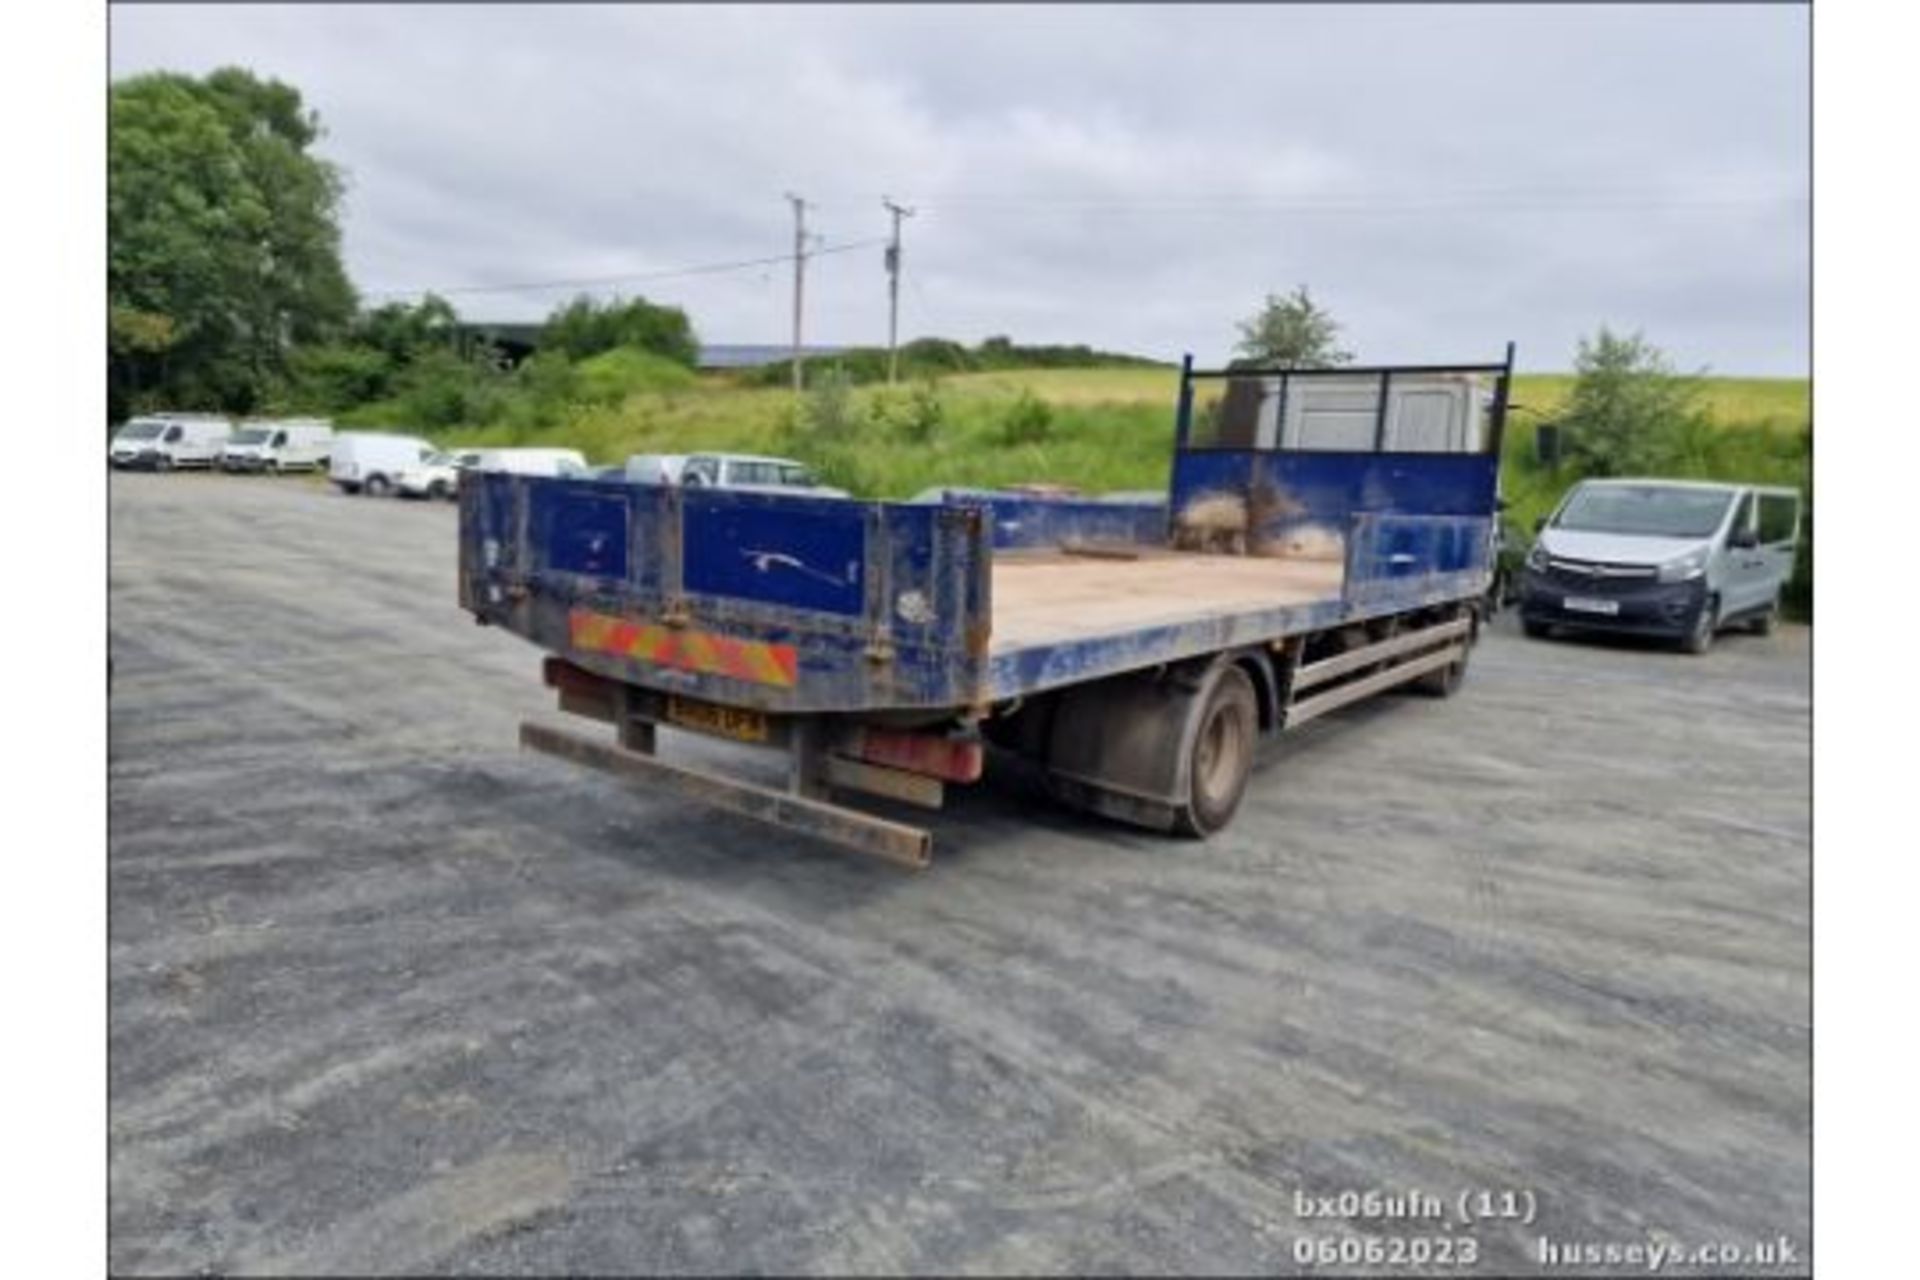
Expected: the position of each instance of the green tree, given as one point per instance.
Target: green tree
(583, 328)
(1292, 332)
(1629, 412)
(223, 247)
(402, 331)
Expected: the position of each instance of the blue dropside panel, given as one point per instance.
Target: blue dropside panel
(1333, 486)
(1409, 525)
(801, 553)
(883, 605)
(579, 529)
(1021, 522)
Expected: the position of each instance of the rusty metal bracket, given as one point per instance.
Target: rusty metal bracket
(849, 828)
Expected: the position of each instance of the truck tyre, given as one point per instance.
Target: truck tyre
(1536, 630)
(1443, 682)
(1699, 638)
(377, 486)
(1222, 754)
(437, 490)
(1764, 622)
(163, 463)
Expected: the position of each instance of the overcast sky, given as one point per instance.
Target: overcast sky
(1134, 177)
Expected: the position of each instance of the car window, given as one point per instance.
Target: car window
(279, 439)
(1643, 510)
(701, 471)
(799, 477)
(1779, 517)
(755, 473)
(173, 434)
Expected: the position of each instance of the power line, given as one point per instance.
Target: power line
(588, 282)
(1698, 194)
(1411, 205)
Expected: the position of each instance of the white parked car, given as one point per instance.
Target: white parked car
(754, 472)
(164, 441)
(437, 476)
(533, 462)
(291, 444)
(653, 468)
(369, 461)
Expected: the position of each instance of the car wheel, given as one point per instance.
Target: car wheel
(377, 486)
(272, 468)
(1764, 624)
(1537, 630)
(1699, 638)
(163, 463)
(438, 489)
(1221, 757)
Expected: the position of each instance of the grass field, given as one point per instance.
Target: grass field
(1099, 429)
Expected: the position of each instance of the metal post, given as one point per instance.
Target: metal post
(1380, 423)
(893, 289)
(1502, 394)
(799, 279)
(1183, 420)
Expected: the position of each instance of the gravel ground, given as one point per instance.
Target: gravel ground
(388, 995)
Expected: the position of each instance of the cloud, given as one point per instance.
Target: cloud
(1135, 177)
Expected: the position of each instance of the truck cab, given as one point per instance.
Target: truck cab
(1681, 559)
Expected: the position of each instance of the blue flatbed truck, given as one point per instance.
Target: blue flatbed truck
(1326, 536)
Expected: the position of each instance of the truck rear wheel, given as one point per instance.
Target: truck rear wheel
(376, 486)
(1222, 754)
(1442, 682)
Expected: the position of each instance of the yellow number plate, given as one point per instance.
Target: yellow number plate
(727, 722)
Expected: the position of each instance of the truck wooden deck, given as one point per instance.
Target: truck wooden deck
(1326, 536)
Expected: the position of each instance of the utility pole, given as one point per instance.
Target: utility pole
(799, 279)
(893, 289)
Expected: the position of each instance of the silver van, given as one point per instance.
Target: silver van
(1676, 558)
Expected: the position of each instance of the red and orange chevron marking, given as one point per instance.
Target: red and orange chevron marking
(700, 651)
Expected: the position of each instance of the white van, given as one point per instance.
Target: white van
(164, 441)
(290, 444)
(1678, 558)
(533, 462)
(369, 461)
